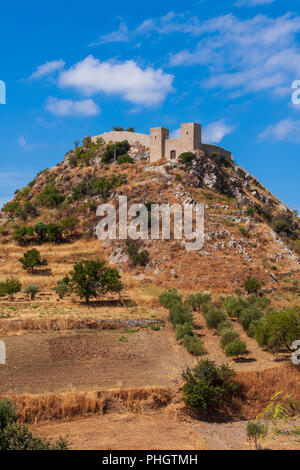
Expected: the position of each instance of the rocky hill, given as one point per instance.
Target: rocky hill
(248, 231)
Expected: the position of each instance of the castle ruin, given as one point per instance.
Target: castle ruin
(161, 146)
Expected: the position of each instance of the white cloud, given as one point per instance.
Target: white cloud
(214, 132)
(251, 55)
(121, 35)
(90, 76)
(72, 108)
(252, 3)
(285, 130)
(24, 144)
(47, 69)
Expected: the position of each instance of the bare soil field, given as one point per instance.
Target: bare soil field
(80, 359)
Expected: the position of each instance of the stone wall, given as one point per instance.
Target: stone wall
(216, 152)
(118, 136)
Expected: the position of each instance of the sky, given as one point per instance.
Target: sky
(77, 68)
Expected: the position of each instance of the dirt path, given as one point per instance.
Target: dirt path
(257, 359)
(130, 431)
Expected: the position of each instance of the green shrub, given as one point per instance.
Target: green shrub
(183, 330)
(252, 285)
(194, 345)
(228, 336)
(180, 314)
(236, 348)
(32, 290)
(93, 278)
(62, 289)
(124, 159)
(15, 436)
(50, 197)
(250, 211)
(186, 157)
(256, 431)
(214, 317)
(32, 259)
(207, 385)
(10, 287)
(197, 300)
(116, 148)
(224, 325)
(248, 317)
(169, 297)
(277, 330)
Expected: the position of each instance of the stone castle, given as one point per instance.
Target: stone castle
(162, 147)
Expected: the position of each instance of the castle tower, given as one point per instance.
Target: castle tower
(190, 136)
(158, 135)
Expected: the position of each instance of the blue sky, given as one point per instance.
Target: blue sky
(77, 68)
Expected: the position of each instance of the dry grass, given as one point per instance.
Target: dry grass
(71, 405)
(259, 387)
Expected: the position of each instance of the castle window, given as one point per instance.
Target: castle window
(173, 154)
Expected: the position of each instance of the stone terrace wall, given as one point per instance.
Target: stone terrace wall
(118, 136)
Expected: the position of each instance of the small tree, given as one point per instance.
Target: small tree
(252, 285)
(186, 157)
(10, 287)
(93, 278)
(236, 348)
(32, 290)
(32, 259)
(256, 431)
(207, 384)
(62, 289)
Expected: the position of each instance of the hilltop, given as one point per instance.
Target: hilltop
(71, 362)
(248, 231)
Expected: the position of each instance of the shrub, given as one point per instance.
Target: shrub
(10, 287)
(224, 325)
(169, 297)
(278, 330)
(197, 300)
(214, 317)
(207, 385)
(252, 285)
(32, 290)
(256, 431)
(69, 224)
(183, 330)
(137, 257)
(186, 157)
(93, 278)
(41, 229)
(117, 148)
(250, 211)
(50, 197)
(249, 317)
(194, 345)
(15, 436)
(62, 289)
(124, 159)
(228, 336)
(180, 314)
(32, 259)
(236, 348)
